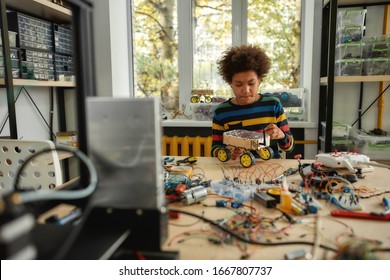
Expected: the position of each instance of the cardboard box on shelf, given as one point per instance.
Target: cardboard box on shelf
(68, 139)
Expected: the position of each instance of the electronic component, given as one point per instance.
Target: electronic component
(236, 204)
(348, 160)
(221, 203)
(194, 195)
(265, 199)
(299, 254)
(275, 193)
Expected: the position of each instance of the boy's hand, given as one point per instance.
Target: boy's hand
(274, 132)
(235, 152)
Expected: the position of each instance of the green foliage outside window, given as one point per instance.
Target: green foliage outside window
(273, 24)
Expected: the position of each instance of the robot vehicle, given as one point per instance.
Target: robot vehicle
(248, 141)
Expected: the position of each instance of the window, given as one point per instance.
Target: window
(155, 50)
(276, 26)
(212, 25)
(160, 29)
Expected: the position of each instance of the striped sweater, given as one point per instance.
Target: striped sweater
(253, 117)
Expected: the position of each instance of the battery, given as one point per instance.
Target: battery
(265, 199)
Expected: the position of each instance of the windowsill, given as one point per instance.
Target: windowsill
(192, 123)
(186, 123)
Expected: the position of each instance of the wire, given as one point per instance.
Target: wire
(31, 196)
(374, 164)
(252, 241)
(317, 237)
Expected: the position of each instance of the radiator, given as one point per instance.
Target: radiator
(186, 146)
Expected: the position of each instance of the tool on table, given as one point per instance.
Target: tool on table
(383, 216)
(167, 160)
(278, 180)
(187, 160)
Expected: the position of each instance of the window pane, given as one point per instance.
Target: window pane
(212, 25)
(276, 26)
(155, 50)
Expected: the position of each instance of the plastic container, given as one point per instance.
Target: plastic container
(349, 50)
(339, 130)
(376, 147)
(349, 67)
(288, 97)
(341, 145)
(12, 39)
(376, 66)
(349, 34)
(351, 17)
(203, 111)
(377, 46)
(296, 114)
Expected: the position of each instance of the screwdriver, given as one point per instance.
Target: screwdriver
(186, 160)
(386, 204)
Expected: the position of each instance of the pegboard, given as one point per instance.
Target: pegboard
(42, 172)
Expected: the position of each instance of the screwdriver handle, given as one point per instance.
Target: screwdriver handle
(360, 215)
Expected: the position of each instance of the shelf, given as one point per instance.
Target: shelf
(43, 9)
(36, 83)
(354, 79)
(360, 2)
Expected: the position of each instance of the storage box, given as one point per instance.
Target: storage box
(33, 32)
(288, 97)
(377, 46)
(339, 130)
(349, 34)
(12, 39)
(37, 65)
(68, 139)
(341, 145)
(376, 147)
(351, 17)
(349, 50)
(376, 66)
(15, 73)
(296, 114)
(203, 111)
(348, 67)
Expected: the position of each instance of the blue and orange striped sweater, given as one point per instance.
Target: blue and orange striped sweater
(253, 117)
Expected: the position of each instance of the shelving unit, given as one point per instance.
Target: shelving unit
(328, 79)
(42, 9)
(354, 79)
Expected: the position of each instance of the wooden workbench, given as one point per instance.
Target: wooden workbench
(189, 235)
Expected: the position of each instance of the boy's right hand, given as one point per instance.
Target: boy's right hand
(236, 152)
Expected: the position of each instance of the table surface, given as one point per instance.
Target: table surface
(196, 239)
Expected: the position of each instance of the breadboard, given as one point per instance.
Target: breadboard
(42, 172)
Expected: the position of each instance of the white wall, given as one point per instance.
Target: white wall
(311, 68)
(111, 47)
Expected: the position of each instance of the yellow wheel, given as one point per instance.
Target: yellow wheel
(194, 99)
(247, 159)
(207, 99)
(223, 154)
(266, 153)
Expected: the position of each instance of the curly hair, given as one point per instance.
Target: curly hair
(243, 58)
